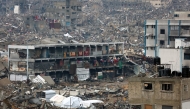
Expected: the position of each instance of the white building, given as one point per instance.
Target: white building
(16, 9)
(164, 38)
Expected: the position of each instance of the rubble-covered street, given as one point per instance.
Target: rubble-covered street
(38, 93)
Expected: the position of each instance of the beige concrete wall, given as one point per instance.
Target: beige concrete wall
(155, 97)
(182, 15)
(185, 94)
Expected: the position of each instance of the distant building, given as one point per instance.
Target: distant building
(181, 15)
(63, 11)
(133, 3)
(159, 93)
(16, 9)
(159, 3)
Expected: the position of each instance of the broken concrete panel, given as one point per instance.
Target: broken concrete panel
(4, 82)
(49, 80)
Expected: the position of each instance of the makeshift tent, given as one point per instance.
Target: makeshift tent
(89, 103)
(57, 98)
(83, 74)
(71, 102)
(67, 35)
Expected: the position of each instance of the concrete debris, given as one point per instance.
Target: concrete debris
(36, 93)
(87, 23)
(38, 79)
(4, 82)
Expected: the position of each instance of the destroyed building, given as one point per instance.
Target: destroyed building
(64, 12)
(54, 16)
(159, 93)
(64, 60)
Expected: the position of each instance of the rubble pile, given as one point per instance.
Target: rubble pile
(99, 21)
(31, 94)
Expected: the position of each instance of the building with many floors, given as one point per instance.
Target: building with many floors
(63, 11)
(63, 60)
(169, 40)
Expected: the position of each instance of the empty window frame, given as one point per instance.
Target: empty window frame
(167, 107)
(67, 17)
(176, 15)
(162, 42)
(174, 27)
(153, 26)
(148, 86)
(167, 87)
(185, 88)
(152, 48)
(172, 38)
(188, 15)
(152, 37)
(185, 27)
(162, 31)
(186, 56)
(73, 12)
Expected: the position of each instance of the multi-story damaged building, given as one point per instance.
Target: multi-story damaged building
(159, 93)
(133, 3)
(57, 14)
(169, 40)
(64, 60)
(6, 6)
(63, 11)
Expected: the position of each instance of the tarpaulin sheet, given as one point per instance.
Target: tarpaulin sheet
(83, 74)
(72, 69)
(14, 77)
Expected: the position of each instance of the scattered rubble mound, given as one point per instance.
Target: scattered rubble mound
(38, 93)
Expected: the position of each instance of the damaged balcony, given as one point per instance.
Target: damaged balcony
(185, 31)
(18, 66)
(64, 65)
(76, 51)
(61, 57)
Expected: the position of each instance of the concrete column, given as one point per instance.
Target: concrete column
(90, 49)
(181, 56)
(8, 61)
(156, 36)
(1, 95)
(55, 53)
(4, 106)
(169, 32)
(27, 61)
(145, 38)
(96, 47)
